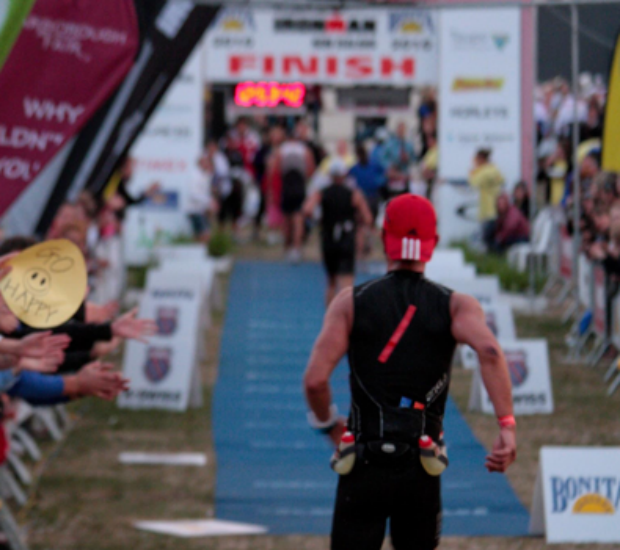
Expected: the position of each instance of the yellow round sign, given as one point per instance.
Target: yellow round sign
(592, 503)
(47, 283)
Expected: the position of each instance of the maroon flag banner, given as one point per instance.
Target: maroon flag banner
(68, 59)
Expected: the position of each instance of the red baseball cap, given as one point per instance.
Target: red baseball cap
(410, 228)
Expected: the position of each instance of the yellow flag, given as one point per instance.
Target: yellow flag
(47, 283)
(611, 134)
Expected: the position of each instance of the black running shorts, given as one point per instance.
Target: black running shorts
(293, 192)
(371, 495)
(338, 259)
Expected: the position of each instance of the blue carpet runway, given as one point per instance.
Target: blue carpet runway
(272, 469)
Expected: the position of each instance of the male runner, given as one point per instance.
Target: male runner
(293, 163)
(341, 208)
(400, 332)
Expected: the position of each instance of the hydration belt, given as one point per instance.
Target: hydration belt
(393, 430)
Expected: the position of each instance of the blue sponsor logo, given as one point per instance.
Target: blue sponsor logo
(517, 367)
(585, 495)
(158, 364)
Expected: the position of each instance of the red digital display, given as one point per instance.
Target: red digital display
(269, 94)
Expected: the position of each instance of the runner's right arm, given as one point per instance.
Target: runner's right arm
(329, 348)
(469, 327)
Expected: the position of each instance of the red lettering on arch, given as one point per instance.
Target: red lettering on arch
(291, 63)
(268, 65)
(237, 63)
(331, 66)
(359, 67)
(406, 66)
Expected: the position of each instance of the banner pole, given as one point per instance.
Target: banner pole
(534, 186)
(576, 173)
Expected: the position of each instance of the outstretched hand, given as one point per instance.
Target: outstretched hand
(96, 313)
(98, 379)
(504, 451)
(42, 344)
(46, 365)
(127, 326)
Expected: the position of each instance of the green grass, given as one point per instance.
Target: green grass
(511, 279)
(220, 244)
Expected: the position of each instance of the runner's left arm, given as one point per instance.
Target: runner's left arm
(329, 348)
(469, 327)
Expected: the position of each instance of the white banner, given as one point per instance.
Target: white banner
(457, 212)
(480, 90)
(163, 372)
(577, 495)
(166, 152)
(364, 46)
(528, 365)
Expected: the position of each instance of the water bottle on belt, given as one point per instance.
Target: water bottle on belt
(433, 455)
(343, 459)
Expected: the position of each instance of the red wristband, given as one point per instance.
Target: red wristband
(507, 421)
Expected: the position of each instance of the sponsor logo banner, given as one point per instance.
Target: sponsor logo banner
(348, 46)
(164, 373)
(477, 84)
(577, 495)
(480, 90)
(68, 59)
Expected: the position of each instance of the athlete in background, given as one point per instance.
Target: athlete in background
(293, 163)
(341, 210)
(400, 333)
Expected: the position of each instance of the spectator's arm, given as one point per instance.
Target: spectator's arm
(39, 389)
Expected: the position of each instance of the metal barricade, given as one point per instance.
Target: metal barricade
(612, 376)
(600, 314)
(567, 293)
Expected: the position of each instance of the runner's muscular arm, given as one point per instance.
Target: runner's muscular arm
(360, 204)
(329, 349)
(469, 327)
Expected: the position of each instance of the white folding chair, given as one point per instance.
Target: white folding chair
(539, 245)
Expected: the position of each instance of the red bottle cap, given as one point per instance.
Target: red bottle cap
(425, 442)
(348, 437)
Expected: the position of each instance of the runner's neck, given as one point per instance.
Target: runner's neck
(402, 265)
